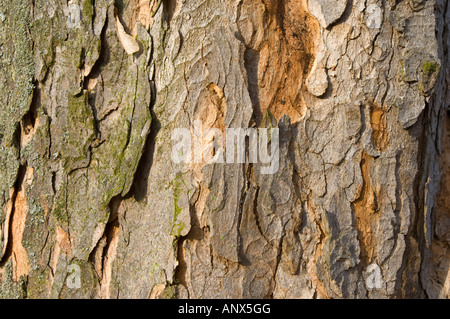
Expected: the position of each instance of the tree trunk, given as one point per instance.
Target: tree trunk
(95, 204)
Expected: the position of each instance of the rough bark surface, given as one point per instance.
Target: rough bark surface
(91, 91)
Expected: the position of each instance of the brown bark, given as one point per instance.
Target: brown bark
(95, 206)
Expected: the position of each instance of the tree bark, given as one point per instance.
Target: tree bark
(94, 205)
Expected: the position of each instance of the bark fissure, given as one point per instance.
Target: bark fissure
(95, 92)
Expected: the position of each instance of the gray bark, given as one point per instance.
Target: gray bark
(94, 206)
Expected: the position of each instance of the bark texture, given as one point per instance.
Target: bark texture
(91, 91)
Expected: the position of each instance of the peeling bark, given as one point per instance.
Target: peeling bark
(92, 91)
